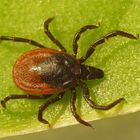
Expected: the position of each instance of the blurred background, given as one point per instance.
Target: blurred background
(125, 127)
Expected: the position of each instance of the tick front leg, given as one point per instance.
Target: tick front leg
(102, 40)
(78, 35)
(19, 39)
(51, 37)
(13, 97)
(73, 109)
(92, 104)
(46, 104)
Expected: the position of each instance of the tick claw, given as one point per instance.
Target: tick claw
(3, 104)
(44, 121)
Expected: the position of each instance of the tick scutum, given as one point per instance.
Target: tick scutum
(59, 70)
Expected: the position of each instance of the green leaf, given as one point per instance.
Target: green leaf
(119, 58)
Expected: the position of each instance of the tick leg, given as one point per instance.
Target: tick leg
(78, 35)
(19, 39)
(102, 40)
(13, 97)
(46, 104)
(51, 37)
(92, 104)
(73, 109)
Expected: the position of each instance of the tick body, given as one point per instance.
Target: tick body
(43, 72)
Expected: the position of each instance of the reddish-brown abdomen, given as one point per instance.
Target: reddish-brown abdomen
(24, 72)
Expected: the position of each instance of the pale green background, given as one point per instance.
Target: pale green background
(25, 18)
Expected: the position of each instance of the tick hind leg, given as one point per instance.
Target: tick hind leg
(78, 35)
(102, 40)
(92, 104)
(19, 39)
(13, 97)
(73, 109)
(46, 104)
(51, 37)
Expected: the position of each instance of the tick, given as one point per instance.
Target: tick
(44, 72)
